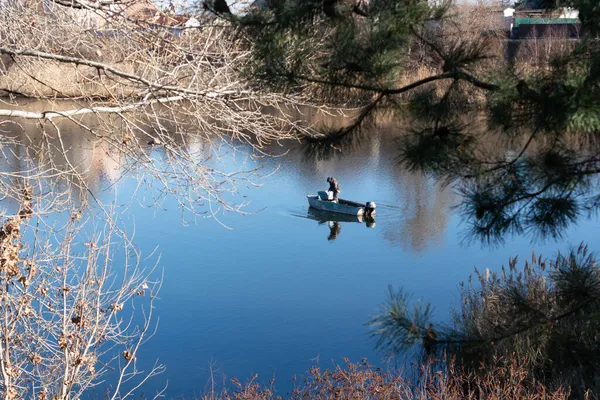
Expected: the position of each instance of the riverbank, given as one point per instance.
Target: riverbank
(507, 380)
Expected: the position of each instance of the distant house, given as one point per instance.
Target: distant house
(529, 20)
(100, 14)
(192, 22)
(137, 10)
(108, 21)
(508, 18)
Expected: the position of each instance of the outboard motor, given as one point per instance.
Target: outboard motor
(370, 209)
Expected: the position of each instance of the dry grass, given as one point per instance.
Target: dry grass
(536, 54)
(416, 74)
(37, 78)
(198, 59)
(507, 379)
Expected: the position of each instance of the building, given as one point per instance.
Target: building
(99, 14)
(529, 20)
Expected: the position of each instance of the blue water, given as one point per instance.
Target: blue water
(271, 295)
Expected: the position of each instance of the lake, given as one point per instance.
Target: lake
(278, 289)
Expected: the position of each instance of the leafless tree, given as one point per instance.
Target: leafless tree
(126, 88)
(135, 78)
(66, 315)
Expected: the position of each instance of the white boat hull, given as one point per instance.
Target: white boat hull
(341, 206)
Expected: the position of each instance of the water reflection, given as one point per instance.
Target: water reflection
(370, 154)
(334, 221)
(94, 153)
(418, 219)
(265, 297)
(426, 206)
(334, 230)
(367, 170)
(413, 209)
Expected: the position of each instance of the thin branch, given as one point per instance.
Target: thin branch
(49, 115)
(387, 91)
(118, 72)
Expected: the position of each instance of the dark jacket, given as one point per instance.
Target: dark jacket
(334, 186)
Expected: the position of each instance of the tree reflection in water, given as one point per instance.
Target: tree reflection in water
(424, 217)
(535, 186)
(417, 215)
(545, 314)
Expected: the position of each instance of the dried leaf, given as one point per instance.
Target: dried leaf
(62, 341)
(12, 393)
(127, 355)
(23, 280)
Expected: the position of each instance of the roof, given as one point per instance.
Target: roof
(140, 10)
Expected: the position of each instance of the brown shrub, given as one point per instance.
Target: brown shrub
(507, 379)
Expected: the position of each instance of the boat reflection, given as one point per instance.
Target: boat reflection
(333, 220)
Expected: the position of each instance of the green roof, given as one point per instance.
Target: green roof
(544, 21)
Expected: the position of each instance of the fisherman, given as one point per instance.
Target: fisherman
(334, 187)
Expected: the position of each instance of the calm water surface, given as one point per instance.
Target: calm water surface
(275, 294)
(279, 292)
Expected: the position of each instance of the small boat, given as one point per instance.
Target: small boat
(320, 202)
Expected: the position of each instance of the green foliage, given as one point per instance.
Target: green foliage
(342, 41)
(400, 324)
(530, 169)
(462, 54)
(435, 150)
(545, 313)
(543, 193)
(547, 125)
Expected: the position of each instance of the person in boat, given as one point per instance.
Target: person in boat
(334, 187)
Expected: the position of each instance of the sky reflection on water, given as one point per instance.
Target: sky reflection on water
(274, 294)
